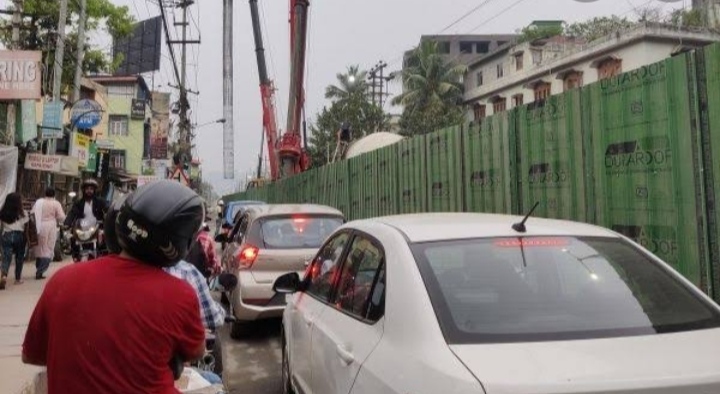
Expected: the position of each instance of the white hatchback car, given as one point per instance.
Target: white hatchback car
(463, 303)
(266, 242)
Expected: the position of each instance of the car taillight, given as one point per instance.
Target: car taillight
(247, 255)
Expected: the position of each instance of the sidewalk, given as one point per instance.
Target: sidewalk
(16, 305)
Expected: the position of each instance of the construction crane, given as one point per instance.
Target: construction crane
(287, 155)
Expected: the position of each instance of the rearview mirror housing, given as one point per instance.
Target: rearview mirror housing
(287, 284)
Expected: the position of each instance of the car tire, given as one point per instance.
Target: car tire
(240, 329)
(287, 384)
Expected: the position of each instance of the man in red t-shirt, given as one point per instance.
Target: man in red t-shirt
(113, 325)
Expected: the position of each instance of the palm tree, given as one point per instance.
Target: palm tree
(430, 83)
(352, 84)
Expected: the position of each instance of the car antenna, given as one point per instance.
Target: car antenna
(520, 226)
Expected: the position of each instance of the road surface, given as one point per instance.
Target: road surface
(252, 365)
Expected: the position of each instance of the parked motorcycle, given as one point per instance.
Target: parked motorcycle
(89, 238)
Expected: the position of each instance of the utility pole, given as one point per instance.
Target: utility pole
(12, 106)
(228, 132)
(80, 51)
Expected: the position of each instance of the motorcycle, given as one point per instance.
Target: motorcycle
(89, 238)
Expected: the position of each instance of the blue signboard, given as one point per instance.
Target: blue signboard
(52, 120)
(86, 114)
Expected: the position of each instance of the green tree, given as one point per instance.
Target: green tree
(348, 103)
(432, 91)
(598, 27)
(351, 86)
(532, 33)
(102, 15)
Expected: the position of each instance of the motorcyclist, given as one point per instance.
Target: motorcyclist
(90, 207)
(113, 325)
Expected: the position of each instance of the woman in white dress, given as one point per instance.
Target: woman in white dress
(48, 212)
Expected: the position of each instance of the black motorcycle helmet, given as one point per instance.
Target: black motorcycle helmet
(111, 240)
(158, 222)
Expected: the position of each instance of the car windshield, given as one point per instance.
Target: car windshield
(298, 232)
(541, 289)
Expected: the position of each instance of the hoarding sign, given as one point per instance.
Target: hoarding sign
(52, 120)
(105, 144)
(145, 179)
(20, 75)
(92, 157)
(28, 122)
(38, 162)
(103, 165)
(137, 110)
(86, 114)
(80, 148)
(8, 171)
(159, 137)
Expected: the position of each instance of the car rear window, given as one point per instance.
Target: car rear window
(297, 232)
(540, 289)
(238, 206)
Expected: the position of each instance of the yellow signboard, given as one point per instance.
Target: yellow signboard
(81, 148)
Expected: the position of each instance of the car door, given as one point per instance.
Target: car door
(348, 330)
(229, 258)
(304, 308)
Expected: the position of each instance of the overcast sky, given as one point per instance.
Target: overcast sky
(341, 33)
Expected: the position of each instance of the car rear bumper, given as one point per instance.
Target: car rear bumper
(256, 301)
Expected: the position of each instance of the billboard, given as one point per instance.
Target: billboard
(141, 49)
(20, 75)
(159, 125)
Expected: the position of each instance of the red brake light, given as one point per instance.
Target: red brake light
(247, 256)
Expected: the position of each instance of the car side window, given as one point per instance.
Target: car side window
(324, 270)
(362, 281)
(240, 229)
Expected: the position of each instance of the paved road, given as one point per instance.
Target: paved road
(252, 365)
(16, 305)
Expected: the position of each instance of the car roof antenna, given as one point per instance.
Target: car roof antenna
(520, 226)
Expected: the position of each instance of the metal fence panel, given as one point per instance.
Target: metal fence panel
(412, 171)
(550, 166)
(644, 149)
(387, 180)
(444, 170)
(487, 164)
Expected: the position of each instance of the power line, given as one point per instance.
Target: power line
(169, 44)
(467, 14)
(511, 6)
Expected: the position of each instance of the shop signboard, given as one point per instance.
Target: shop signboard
(86, 114)
(28, 121)
(80, 148)
(52, 120)
(20, 75)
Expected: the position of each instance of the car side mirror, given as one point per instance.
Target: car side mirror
(287, 284)
(221, 238)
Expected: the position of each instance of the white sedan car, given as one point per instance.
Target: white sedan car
(463, 303)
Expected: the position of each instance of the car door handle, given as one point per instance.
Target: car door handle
(345, 355)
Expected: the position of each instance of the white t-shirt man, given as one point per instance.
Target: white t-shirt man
(89, 216)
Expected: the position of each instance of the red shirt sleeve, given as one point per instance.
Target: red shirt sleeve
(35, 345)
(190, 332)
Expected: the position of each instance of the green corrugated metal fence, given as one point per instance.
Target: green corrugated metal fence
(638, 153)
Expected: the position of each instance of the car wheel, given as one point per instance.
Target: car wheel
(287, 384)
(239, 329)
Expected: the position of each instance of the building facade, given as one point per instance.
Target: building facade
(522, 73)
(466, 49)
(126, 128)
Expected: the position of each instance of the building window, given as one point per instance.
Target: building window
(117, 159)
(542, 91)
(482, 47)
(500, 105)
(609, 68)
(573, 80)
(519, 62)
(466, 47)
(500, 71)
(478, 112)
(444, 47)
(536, 56)
(517, 100)
(118, 125)
(479, 78)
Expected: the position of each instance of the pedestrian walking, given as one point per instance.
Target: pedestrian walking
(13, 220)
(48, 212)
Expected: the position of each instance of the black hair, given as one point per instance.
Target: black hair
(12, 210)
(49, 192)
